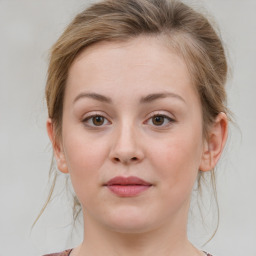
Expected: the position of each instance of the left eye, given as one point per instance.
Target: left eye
(95, 120)
(160, 120)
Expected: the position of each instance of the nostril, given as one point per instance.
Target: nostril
(117, 159)
(125, 160)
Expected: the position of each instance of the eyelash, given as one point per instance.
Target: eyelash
(166, 118)
(88, 121)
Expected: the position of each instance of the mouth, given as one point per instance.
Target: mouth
(127, 186)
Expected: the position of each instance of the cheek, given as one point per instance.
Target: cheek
(84, 160)
(178, 160)
(82, 156)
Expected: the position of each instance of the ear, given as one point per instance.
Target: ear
(215, 143)
(57, 147)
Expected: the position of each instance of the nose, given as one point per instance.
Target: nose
(126, 146)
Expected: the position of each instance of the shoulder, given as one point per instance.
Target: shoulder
(64, 253)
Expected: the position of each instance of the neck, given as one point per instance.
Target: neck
(168, 239)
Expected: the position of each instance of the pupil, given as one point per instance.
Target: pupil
(158, 120)
(98, 120)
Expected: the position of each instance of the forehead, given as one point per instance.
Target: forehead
(141, 64)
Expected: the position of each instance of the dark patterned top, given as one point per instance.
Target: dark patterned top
(207, 254)
(64, 253)
(67, 253)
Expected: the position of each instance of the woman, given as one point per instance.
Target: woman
(137, 114)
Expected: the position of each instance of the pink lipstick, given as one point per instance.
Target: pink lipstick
(127, 186)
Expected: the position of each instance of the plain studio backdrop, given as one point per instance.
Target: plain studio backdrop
(28, 29)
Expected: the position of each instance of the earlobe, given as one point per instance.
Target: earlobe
(57, 147)
(215, 143)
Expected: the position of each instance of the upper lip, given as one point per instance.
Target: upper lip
(125, 181)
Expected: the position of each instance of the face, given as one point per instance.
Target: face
(132, 134)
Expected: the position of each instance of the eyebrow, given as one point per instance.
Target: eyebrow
(147, 99)
(94, 96)
(155, 96)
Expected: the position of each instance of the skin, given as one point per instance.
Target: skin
(128, 142)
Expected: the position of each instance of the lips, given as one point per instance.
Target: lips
(127, 186)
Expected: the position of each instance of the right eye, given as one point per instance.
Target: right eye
(96, 120)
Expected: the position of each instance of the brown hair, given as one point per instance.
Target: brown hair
(187, 31)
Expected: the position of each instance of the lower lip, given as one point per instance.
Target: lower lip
(128, 190)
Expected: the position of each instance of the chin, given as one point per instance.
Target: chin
(130, 220)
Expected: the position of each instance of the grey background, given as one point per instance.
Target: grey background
(28, 28)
